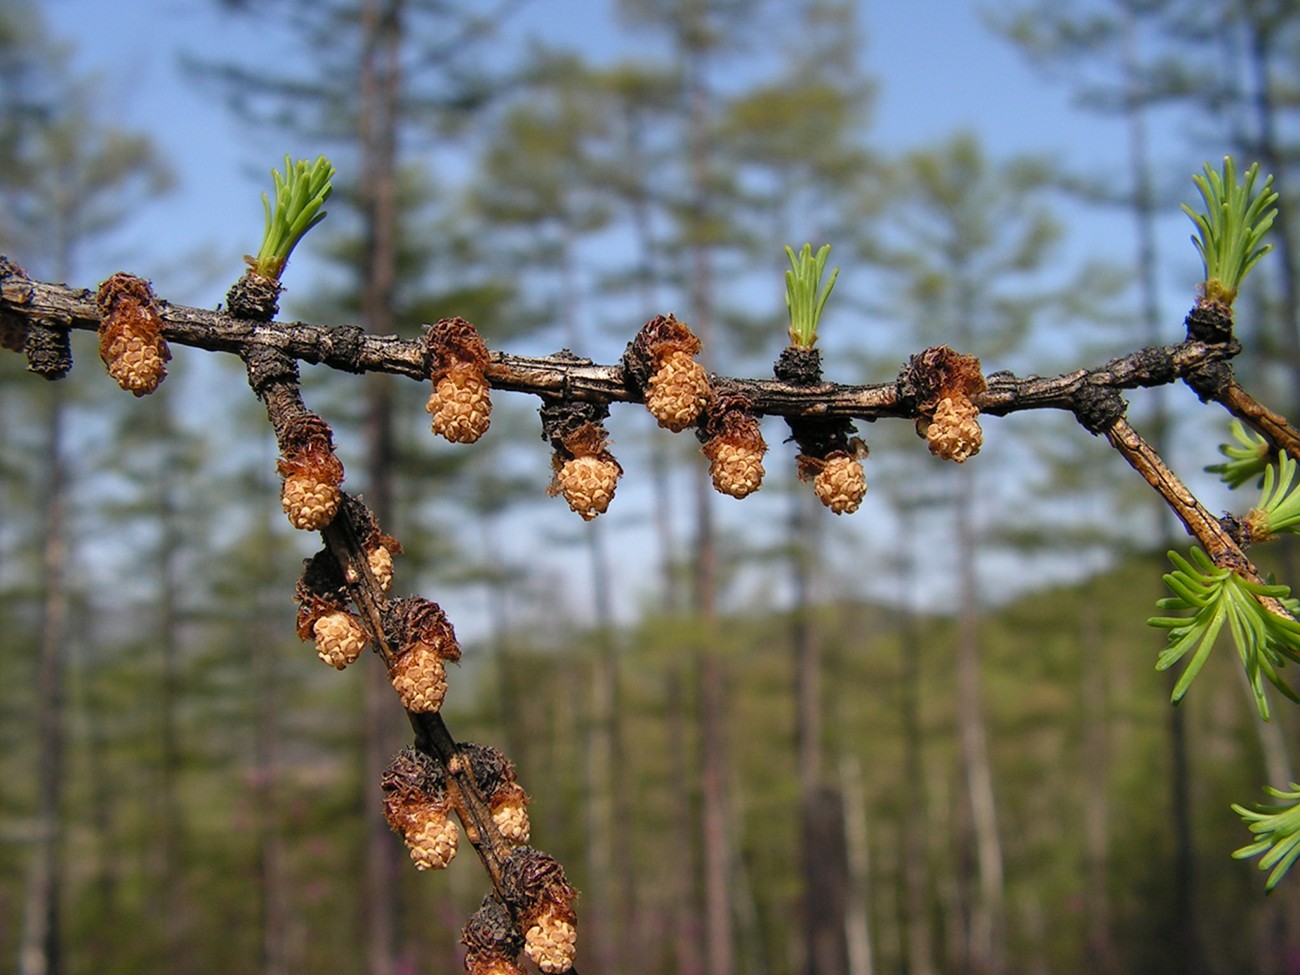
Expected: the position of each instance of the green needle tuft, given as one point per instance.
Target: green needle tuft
(300, 194)
(804, 294)
(1276, 828)
(1246, 460)
(1216, 595)
(1230, 231)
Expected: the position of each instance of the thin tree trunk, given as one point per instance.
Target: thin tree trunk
(1268, 152)
(719, 916)
(508, 697)
(916, 911)
(825, 877)
(857, 925)
(1101, 953)
(988, 913)
(685, 914)
(659, 457)
(607, 790)
(714, 764)
(274, 911)
(1185, 952)
(380, 87)
(40, 947)
(171, 899)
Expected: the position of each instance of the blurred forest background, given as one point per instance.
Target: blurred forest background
(928, 738)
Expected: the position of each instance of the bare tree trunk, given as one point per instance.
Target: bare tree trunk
(608, 792)
(647, 276)
(380, 80)
(507, 697)
(916, 911)
(685, 918)
(1185, 950)
(1102, 955)
(825, 867)
(274, 910)
(857, 925)
(40, 946)
(170, 829)
(1269, 154)
(719, 916)
(988, 912)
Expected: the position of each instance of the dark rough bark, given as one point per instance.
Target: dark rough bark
(349, 349)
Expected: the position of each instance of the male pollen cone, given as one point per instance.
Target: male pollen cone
(954, 433)
(312, 474)
(734, 446)
(509, 807)
(460, 405)
(942, 382)
(841, 484)
(416, 806)
(419, 673)
(551, 941)
(535, 883)
(588, 483)
(130, 334)
(677, 391)
(662, 357)
(340, 638)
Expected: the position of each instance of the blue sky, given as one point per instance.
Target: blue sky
(939, 69)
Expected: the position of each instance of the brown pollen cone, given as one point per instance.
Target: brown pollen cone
(734, 444)
(542, 897)
(322, 613)
(941, 383)
(379, 547)
(428, 642)
(380, 560)
(838, 479)
(507, 800)
(586, 473)
(340, 638)
(661, 360)
(312, 474)
(130, 334)
(460, 406)
(416, 806)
